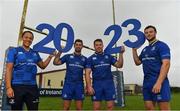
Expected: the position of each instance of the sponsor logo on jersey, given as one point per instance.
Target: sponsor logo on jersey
(106, 57)
(20, 53)
(83, 59)
(148, 58)
(71, 57)
(153, 48)
(34, 54)
(101, 65)
(77, 63)
(144, 50)
(94, 58)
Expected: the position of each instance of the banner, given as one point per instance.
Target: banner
(119, 88)
(50, 92)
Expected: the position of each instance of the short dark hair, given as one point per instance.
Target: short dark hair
(78, 40)
(98, 40)
(150, 26)
(27, 32)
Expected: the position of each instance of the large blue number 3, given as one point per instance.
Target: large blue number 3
(40, 45)
(135, 31)
(117, 34)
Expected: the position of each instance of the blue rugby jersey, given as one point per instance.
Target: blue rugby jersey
(25, 69)
(151, 58)
(100, 65)
(75, 65)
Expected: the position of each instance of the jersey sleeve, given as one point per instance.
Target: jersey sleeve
(164, 51)
(113, 60)
(11, 55)
(63, 59)
(89, 63)
(85, 62)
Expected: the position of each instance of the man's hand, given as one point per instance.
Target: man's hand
(10, 92)
(122, 49)
(58, 54)
(90, 90)
(136, 59)
(53, 54)
(156, 88)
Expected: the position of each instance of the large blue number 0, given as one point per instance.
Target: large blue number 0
(117, 34)
(135, 31)
(58, 34)
(40, 45)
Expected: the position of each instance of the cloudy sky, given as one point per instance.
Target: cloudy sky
(89, 19)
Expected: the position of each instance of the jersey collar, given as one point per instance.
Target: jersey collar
(76, 54)
(99, 54)
(25, 50)
(153, 42)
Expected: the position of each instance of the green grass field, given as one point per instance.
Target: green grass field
(131, 103)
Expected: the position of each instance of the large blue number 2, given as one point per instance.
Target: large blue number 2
(40, 45)
(117, 34)
(135, 31)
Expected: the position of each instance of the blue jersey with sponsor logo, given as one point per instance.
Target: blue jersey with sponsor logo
(151, 58)
(75, 65)
(25, 69)
(100, 65)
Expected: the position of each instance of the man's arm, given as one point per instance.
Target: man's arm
(8, 78)
(44, 64)
(163, 74)
(88, 81)
(57, 60)
(136, 59)
(120, 61)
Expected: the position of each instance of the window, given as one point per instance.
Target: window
(62, 82)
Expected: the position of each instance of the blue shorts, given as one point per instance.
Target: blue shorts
(163, 96)
(73, 91)
(104, 90)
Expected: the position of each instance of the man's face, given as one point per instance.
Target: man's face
(27, 39)
(78, 46)
(98, 46)
(150, 34)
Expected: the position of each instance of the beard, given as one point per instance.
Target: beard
(150, 40)
(99, 51)
(78, 50)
